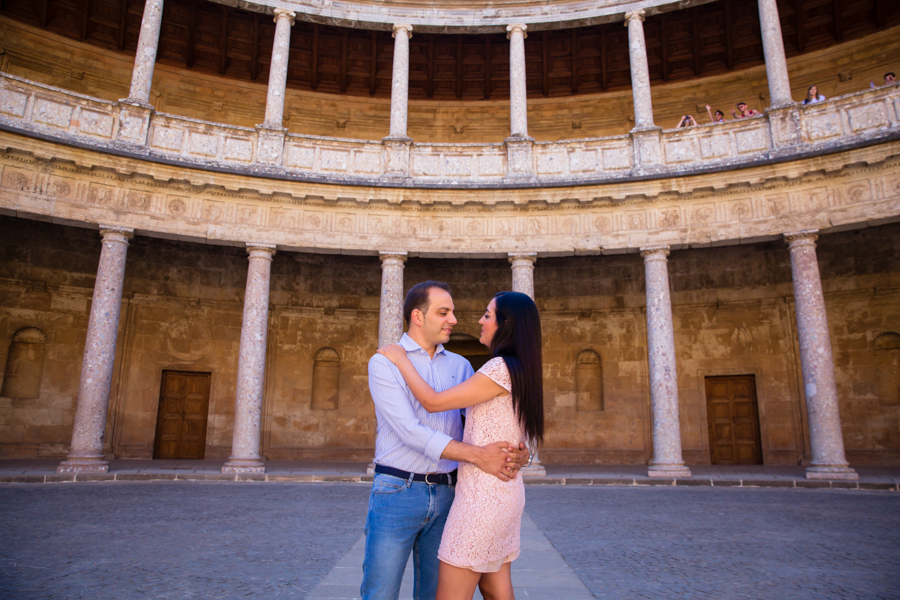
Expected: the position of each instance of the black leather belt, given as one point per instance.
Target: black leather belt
(429, 478)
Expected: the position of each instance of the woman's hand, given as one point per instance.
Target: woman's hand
(394, 353)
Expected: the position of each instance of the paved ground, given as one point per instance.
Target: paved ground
(179, 540)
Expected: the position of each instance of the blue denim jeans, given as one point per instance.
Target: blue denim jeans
(404, 516)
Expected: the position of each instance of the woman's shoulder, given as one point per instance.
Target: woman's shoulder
(496, 370)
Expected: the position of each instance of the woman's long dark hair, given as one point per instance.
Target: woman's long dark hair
(518, 341)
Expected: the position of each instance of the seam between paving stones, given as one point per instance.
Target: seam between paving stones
(608, 482)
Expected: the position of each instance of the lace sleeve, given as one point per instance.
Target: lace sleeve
(496, 370)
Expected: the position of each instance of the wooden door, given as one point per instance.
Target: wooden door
(181, 421)
(733, 420)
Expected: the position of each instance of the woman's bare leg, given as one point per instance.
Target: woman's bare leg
(497, 586)
(455, 583)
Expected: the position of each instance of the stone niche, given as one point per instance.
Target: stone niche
(887, 361)
(326, 379)
(588, 382)
(24, 364)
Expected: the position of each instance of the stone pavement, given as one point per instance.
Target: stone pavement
(216, 540)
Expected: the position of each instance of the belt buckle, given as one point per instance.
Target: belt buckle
(427, 475)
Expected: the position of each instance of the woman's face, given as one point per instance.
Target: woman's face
(813, 92)
(488, 324)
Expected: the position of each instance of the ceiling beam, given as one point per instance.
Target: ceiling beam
(223, 40)
(487, 67)
(373, 69)
(84, 6)
(254, 48)
(574, 61)
(459, 71)
(799, 24)
(545, 63)
(191, 36)
(123, 23)
(315, 58)
(604, 78)
(345, 51)
(729, 36)
(429, 69)
(664, 44)
(698, 65)
(42, 12)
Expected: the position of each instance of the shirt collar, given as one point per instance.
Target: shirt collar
(410, 345)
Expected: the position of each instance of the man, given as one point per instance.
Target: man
(416, 452)
(743, 112)
(889, 77)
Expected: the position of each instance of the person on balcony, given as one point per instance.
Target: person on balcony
(687, 121)
(718, 118)
(813, 95)
(743, 111)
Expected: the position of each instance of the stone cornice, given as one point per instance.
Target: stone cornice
(68, 185)
(462, 16)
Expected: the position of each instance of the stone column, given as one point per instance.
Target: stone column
(518, 99)
(145, 58)
(390, 320)
(278, 70)
(773, 48)
(667, 460)
(86, 452)
(251, 364)
(640, 73)
(400, 82)
(825, 437)
(523, 282)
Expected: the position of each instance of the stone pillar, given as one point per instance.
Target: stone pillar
(773, 48)
(518, 99)
(400, 82)
(145, 58)
(667, 460)
(390, 320)
(278, 70)
(86, 452)
(251, 364)
(640, 73)
(523, 282)
(825, 437)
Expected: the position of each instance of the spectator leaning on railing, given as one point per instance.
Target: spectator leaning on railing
(743, 111)
(813, 95)
(687, 121)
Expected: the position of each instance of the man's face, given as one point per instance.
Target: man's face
(742, 107)
(889, 78)
(438, 321)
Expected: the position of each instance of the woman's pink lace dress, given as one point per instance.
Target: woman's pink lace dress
(482, 530)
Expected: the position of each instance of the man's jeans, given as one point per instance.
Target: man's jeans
(404, 516)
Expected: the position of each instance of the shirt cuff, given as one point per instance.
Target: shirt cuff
(436, 445)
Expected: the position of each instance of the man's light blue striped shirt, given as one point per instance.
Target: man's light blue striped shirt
(409, 437)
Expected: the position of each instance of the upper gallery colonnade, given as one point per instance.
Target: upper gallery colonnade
(131, 126)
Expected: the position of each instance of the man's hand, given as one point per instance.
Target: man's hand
(502, 460)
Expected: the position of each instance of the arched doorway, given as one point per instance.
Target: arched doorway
(469, 347)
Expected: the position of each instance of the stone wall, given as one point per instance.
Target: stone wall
(47, 58)
(733, 314)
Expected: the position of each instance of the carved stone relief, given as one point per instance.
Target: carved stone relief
(326, 379)
(24, 364)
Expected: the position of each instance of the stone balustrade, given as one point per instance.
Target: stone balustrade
(782, 134)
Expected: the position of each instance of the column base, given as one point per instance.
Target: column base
(520, 158)
(535, 470)
(83, 465)
(134, 121)
(671, 471)
(243, 465)
(396, 157)
(832, 472)
(270, 143)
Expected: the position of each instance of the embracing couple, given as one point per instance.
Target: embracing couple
(463, 529)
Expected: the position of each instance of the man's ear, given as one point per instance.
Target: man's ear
(417, 317)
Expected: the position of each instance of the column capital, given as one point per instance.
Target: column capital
(283, 13)
(654, 253)
(401, 27)
(115, 233)
(258, 250)
(804, 237)
(392, 258)
(631, 15)
(518, 259)
(522, 27)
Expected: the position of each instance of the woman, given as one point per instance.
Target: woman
(503, 402)
(687, 121)
(813, 95)
(719, 118)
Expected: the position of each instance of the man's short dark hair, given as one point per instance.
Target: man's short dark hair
(417, 297)
(889, 73)
(739, 103)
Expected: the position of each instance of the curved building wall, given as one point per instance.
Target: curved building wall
(733, 315)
